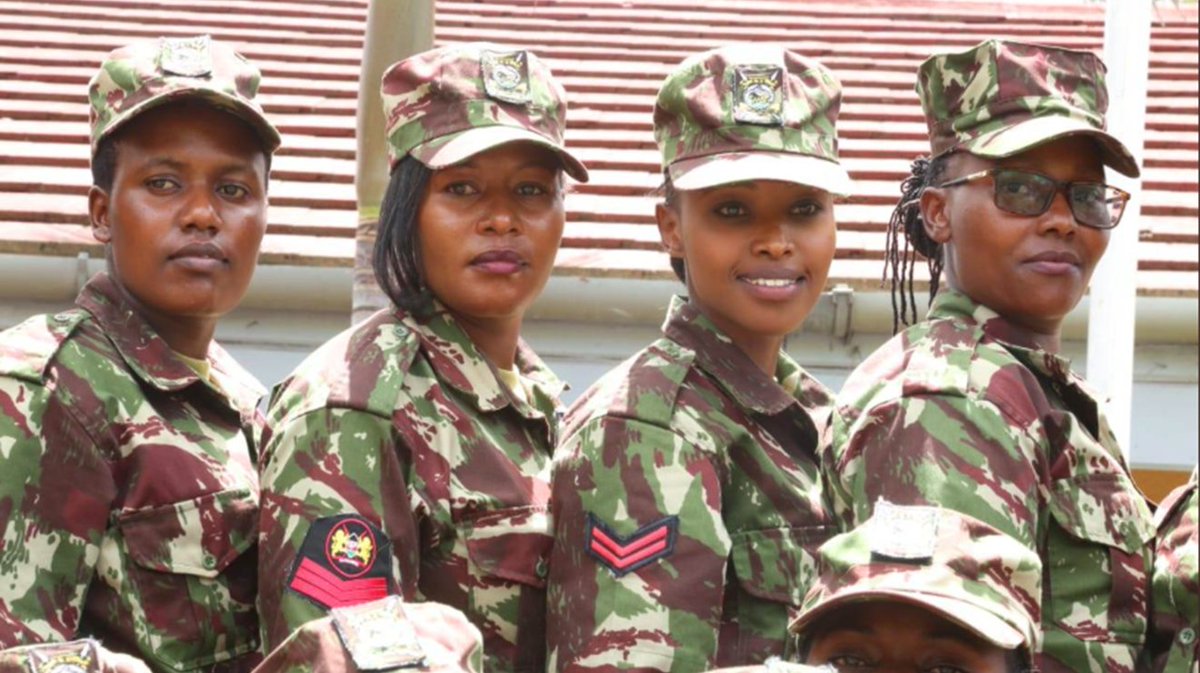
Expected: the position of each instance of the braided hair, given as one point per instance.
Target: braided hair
(906, 222)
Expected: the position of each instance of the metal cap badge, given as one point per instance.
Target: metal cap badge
(145, 75)
(448, 104)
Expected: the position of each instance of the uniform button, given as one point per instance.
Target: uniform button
(542, 568)
(210, 561)
(1187, 636)
(62, 317)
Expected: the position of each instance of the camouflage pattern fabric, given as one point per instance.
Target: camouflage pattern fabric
(1002, 98)
(959, 411)
(947, 563)
(742, 105)
(128, 498)
(1176, 585)
(141, 76)
(405, 426)
(447, 104)
(687, 508)
(425, 638)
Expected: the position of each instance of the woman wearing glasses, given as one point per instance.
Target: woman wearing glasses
(974, 408)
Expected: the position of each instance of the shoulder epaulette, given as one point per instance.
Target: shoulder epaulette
(27, 349)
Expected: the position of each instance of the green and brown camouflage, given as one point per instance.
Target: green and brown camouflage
(129, 497)
(1175, 624)
(406, 426)
(750, 112)
(688, 506)
(417, 637)
(964, 411)
(937, 559)
(445, 105)
(1002, 98)
(144, 75)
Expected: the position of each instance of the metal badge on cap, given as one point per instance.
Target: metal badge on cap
(506, 76)
(186, 57)
(758, 95)
(378, 635)
(904, 532)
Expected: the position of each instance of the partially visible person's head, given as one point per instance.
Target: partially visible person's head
(922, 589)
(474, 211)
(180, 159)
(1012, 206)
(749, 154)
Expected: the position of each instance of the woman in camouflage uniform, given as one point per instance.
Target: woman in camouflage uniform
(411, 453)
(974, 409)
(1174, 646)
(687, 498)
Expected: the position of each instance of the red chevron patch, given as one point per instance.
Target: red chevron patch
(623, 555)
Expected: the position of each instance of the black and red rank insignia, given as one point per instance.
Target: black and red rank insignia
(623, 555)
(345, 560)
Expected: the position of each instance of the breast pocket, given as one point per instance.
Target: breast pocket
(192, 572)
(509, 550)
(774, 568)
(1098, 560)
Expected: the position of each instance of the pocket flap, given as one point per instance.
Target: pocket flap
(198, 537)
(777, 563)
(1103, 508)
(512, 544)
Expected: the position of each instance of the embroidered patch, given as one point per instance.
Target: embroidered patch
(623, 555)
(758, 95)
(378, 635)
(187, 57)
(904, 532)
(344, 560)
(506, 76)
(76, 656)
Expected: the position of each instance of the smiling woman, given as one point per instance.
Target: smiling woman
(429, 427)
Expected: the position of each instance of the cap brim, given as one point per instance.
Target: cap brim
(1031, 133)
(723, 169)
(974, 619)
(458, 147)
(264, 128)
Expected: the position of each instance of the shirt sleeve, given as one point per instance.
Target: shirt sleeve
(941, 449)
(638, 571)
(56, 492)
(335, 518)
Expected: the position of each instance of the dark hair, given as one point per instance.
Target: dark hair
(104, 160)
(670, 198)
(906, 222)
(397, 258)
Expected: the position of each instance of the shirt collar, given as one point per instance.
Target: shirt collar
(149, 356)
(728, 365)
(461, 366)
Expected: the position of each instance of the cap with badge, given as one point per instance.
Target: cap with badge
(382, 635)
(750, 112)
(984, 581)
(145, 75)
(1001, 98)
(448, 104)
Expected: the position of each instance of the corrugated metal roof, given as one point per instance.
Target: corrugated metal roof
(611, 56)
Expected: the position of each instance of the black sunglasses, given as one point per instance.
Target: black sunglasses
(1094, 204)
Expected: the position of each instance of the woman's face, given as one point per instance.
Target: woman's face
(489, 229)
(1031, 270)
(757, 253)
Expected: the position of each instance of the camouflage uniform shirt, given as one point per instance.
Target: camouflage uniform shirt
(687, 507)
(1175, 647)
(404, 426)
(959, 411)
(128, 496)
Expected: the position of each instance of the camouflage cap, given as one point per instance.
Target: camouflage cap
(445, 105)
(144, 75)
(750, 112)
(1001, 98)
(984, 581)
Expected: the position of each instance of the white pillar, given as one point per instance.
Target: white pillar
(1114, 285)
